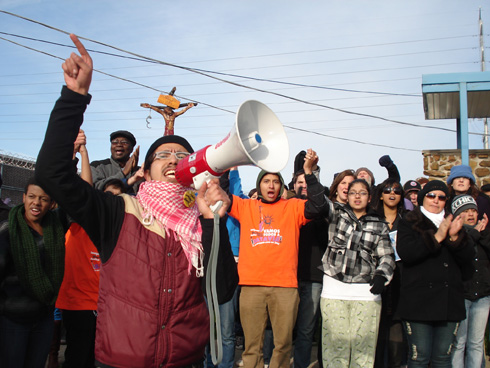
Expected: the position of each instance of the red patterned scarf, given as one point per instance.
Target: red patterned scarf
(164, 202)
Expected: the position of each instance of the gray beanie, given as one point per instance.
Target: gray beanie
(462, 203)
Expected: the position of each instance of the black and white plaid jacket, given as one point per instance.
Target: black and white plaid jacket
(358, 249)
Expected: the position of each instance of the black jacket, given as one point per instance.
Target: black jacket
(102, 214)
(479, 285)
(313, 238)
(432, 277)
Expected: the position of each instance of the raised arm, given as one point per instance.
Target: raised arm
(100, 215)
(77, 70)
(386, 162)
(80, 147)
(317, 203)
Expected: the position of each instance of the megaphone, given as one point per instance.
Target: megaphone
(257, 138)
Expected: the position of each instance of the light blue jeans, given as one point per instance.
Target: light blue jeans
(471, 333)
(308, 314)
(227, 313)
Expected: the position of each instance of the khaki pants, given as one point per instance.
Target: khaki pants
(256, 303)
(349, 332)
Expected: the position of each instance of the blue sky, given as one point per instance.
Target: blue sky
(360, 46)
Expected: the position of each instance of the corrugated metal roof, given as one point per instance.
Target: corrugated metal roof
(441, 94)
(445, 105)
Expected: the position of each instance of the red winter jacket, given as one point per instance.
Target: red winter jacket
(151, 310)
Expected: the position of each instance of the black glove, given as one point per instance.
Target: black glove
(378, 284)
(385, 161)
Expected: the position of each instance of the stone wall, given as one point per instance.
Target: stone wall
(438, 163)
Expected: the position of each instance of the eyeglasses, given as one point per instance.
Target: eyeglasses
(396, 190)
(115, 142)
(165, 155)
(433, 196)
(355, 194)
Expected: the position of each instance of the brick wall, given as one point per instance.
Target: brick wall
(438, 163)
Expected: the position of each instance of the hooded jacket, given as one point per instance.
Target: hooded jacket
(269, 234)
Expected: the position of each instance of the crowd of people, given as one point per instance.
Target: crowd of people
(385, 275)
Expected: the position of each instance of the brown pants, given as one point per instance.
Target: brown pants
(281, 305)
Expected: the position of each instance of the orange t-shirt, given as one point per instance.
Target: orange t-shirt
(269, 235)
(80, 287)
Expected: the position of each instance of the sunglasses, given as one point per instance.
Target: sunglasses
(441, 197)
(396, 190)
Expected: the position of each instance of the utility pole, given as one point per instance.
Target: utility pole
(482, 61)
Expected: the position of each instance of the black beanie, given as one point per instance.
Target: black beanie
(429, 187)
(169, 139)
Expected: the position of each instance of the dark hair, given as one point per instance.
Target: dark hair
(337, 180)
(360, 181)
(33, 181)
(472, 191)
(116, 183)
(252, 192)
(378, 205)
(297, 174)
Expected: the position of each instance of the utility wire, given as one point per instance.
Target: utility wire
(112, 75)
(253, 88)
(197, 71)
(230, 74)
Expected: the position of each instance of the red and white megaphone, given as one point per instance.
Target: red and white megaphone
(258, 138)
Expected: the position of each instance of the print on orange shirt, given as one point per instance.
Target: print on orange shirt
(263, 235)
(95, 260)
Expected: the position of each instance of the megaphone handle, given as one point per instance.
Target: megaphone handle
(199, 179)
(215, 207)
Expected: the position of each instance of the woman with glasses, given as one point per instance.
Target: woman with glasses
(357, 265)
(389, 204)
(434, 251)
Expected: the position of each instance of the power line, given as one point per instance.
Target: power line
(252, 88)
(206, 74)
(242, 76)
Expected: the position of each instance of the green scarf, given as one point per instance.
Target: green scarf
(41, 283)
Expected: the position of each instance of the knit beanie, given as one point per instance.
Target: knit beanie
(366, 170)
(460, 171)
(169, 139)
(429, 187)
(462, 203)
(485, 188)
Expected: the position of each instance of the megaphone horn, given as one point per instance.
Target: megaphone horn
(257, 138)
